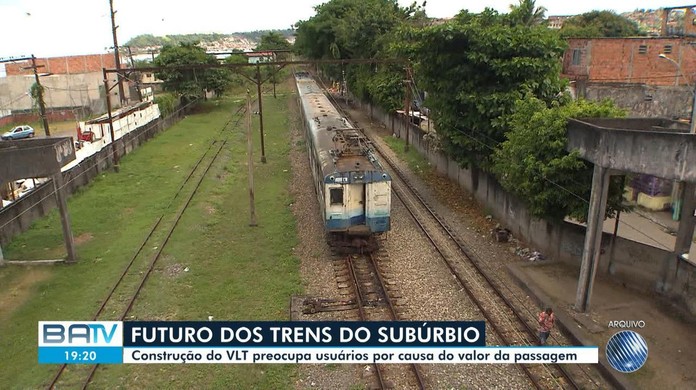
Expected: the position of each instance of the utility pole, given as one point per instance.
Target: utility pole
(250, 162)
(114, 150)
(122, 96)
(40, 98)
(258, 92)
(59, 189)
(137, 75)
(407, 107)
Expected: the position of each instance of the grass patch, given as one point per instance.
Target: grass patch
(235, 272)
(415, 160)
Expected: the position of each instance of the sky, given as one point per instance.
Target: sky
(48, 28)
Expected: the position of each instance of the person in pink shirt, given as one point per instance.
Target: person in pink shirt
(546, 322)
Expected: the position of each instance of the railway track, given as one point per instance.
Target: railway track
(123, 294)
(501, 315)
(375, 301)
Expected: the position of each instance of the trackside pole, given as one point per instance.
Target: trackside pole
(250, 149)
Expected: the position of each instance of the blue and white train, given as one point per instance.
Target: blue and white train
(353, 189)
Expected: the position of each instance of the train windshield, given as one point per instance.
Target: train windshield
(336, 196)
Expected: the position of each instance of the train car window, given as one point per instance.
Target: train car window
(336, 196)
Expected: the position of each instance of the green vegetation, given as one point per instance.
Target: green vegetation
(416, 162)
(359, 29)
(190, 84)
(478, 70)
(598, 24)
(149, 40)
(273, 40)
(475, 68)
(235, 272)
(166, 103)
(533, 159)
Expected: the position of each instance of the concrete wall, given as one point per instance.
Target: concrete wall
(28, 117)
(635, 265)
(61, 90)
(18, 216)
(643, 100)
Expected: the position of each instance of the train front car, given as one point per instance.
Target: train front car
(353, 189)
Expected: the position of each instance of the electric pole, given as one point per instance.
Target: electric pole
(119, 79)
(407, 107)
(40, 98)
(137, 75)
(258, 92)
(250, 162)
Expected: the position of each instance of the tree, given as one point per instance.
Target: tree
(345, 29)
(237, 77)
(190, 83)
(526, 13)
(273, 40)
(475, 68)
(598, 24)
(534, 165)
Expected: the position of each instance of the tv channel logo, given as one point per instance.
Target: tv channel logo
(80, 334)
(627, 351)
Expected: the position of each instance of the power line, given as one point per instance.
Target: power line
(6, 105)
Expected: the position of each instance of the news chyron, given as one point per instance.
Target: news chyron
(219, 342)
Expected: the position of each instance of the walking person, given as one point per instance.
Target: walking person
(546, 322)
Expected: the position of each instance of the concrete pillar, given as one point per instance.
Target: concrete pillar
(593, 237)
(685, 235)
(64, 217)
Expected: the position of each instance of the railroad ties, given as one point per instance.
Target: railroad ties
(509, 326)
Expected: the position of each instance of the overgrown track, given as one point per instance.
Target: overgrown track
(373, 301)
(120, 299)
(512, 328)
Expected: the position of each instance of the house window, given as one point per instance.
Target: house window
(576, 56)
(643, 49)
(148, 75)
(667, 49)
(336, 195)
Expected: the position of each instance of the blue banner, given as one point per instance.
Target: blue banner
(80, 355)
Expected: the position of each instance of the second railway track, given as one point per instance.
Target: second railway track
(508, 324)
(119, 301)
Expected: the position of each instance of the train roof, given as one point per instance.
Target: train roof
(340, 147)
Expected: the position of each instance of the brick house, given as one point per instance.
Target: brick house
(632, 72)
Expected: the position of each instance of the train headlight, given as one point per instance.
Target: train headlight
(332, 178)
(384, 176)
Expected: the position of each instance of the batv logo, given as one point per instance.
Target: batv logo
(74, 334)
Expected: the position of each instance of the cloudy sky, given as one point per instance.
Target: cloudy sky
(48, 28)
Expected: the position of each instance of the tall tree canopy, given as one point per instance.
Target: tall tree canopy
(526, 13)
(348, 29)
(598, 24)
(474, 68)
(534, 165)
(273, 40)
(190, 84)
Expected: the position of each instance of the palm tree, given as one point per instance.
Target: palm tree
(527, 14)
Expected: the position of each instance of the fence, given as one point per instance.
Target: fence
(18, 216)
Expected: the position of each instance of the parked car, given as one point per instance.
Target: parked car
(19, 132)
